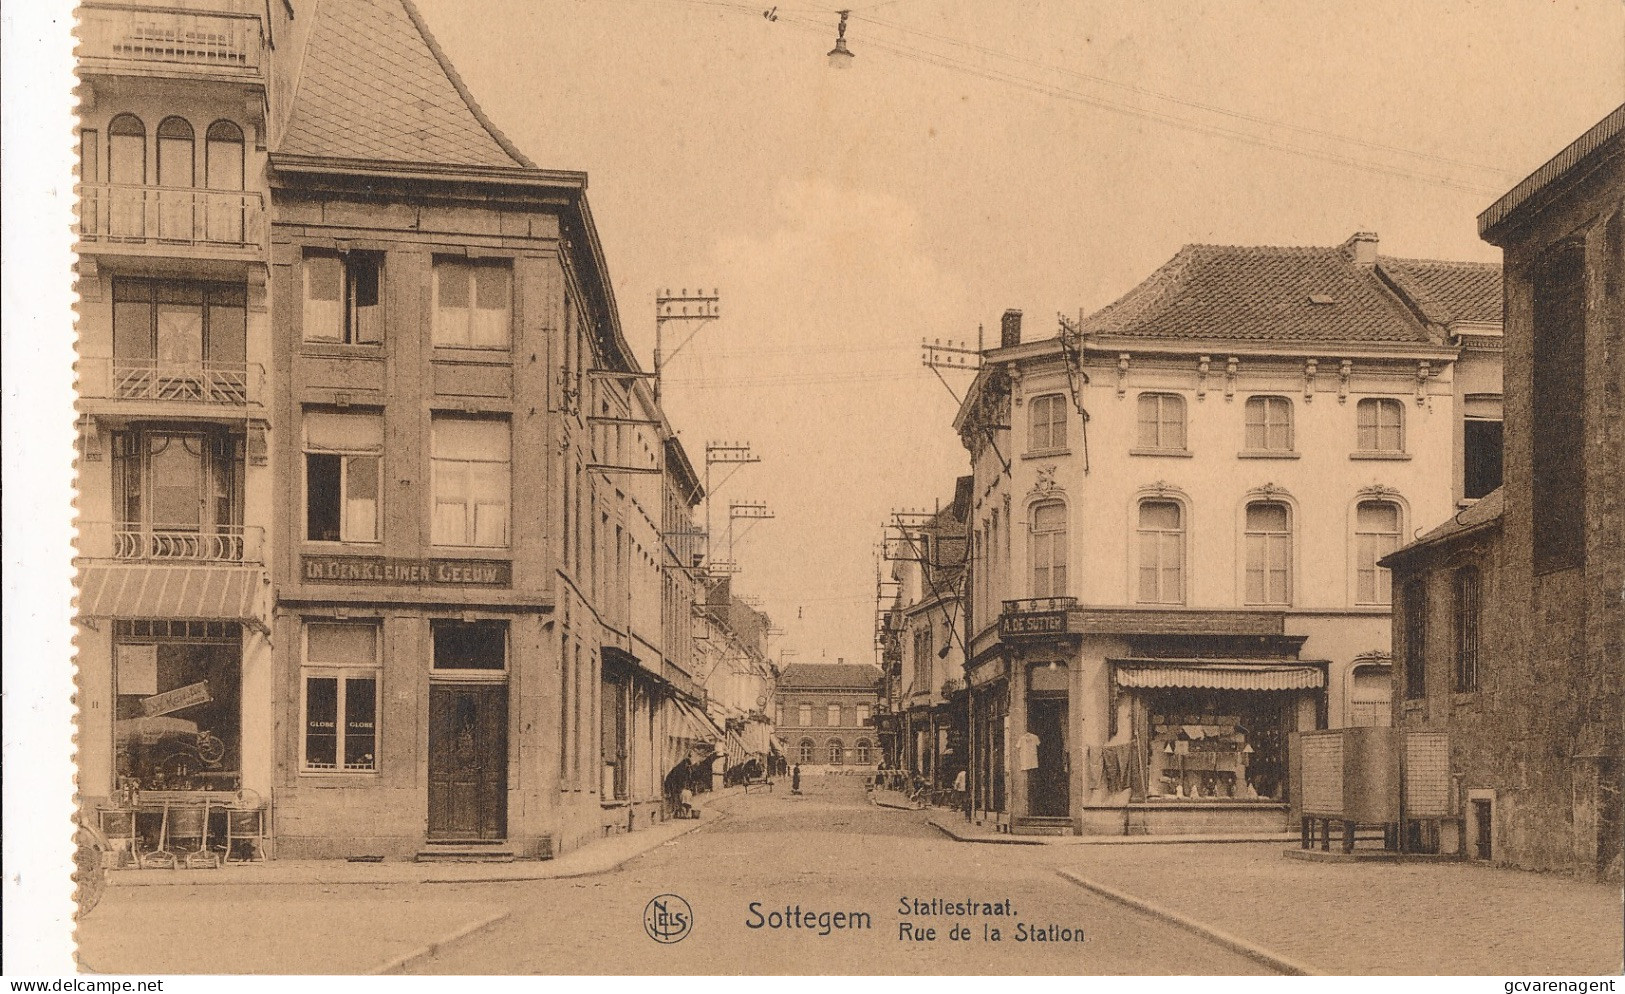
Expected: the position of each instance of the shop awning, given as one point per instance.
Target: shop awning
(1245, 675)
(695, 725)
(777, 747)
(205, 593)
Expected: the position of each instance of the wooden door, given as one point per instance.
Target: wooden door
(468, 762)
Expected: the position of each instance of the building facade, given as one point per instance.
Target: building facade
(1509, 626)
(176, 498)
(1177, 515)
(386, 537)
(824, 713)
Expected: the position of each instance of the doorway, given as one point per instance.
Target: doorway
(1482, 827)
(468, 762)
(1049, 793)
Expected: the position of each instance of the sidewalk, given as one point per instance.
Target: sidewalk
(598, 857)
(1372, 918)
(954, 825)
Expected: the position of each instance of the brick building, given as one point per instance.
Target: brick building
(824, 713)
(1509, 629)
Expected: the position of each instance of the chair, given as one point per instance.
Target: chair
(189, 823)
(245, 828)
(160, 856)
(118, 827)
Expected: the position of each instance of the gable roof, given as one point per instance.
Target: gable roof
(1483, 514)
(1298, 294)
(374, 85)
(829, 676)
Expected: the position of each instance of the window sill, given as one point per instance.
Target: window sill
(339, 350)
(1380, 456)
(338, 778)
(1266, 454)
(1174, 453)
(1415, 705)
(1046, 453)
(457, 353)
(1463, 698)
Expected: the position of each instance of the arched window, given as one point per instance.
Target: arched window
(805, 751)
(837, 752)
(127, 150)
(1269, 424)
(1162, 421)
(223, 161)
(1269, 553)
(126, 173)
(863, 756)
(1049, 549)
(1376, 533)
(1162, 552)
(1046, 423)
(177, 163)
(1380, 425)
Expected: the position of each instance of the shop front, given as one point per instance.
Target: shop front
(1205, 748)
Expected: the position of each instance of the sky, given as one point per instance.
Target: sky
(975, 157)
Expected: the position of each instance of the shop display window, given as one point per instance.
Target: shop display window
(341, 697)
(1218, 746)
(178, 705)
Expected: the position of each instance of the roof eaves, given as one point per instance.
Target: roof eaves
(529, 176)
(1513, 203)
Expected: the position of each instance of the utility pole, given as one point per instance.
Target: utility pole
(735, 454)
(696, 309)
(744, 510)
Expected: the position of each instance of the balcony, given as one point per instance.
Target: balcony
(226, 41)
(1036, 617)
(155, 220)
(136, 542)
(1039, 605)
(168, 389)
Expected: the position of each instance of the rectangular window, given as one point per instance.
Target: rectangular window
(614, 741)
(473, 303)
(1162, 553)
(1269, 424)
(172, 484)
(1049, 549)
(1481, 439)
(832, 715)
(166, 334)
(341, 697)
(1162, 421)
(1047, 416)
(1559, 402)
(1376, 534)
(343, 297)
(1415, 641)
(470, 462)
(343, 467)
(804, 715)
(1380, 425)
(1468, 607)
(470, 645)
(177, 707)
(863, 714)
(1269, 554)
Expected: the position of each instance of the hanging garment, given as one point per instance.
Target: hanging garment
(1027, 750)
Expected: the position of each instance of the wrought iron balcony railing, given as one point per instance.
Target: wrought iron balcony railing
(1034, 605)
(235, 384)
(232, 38)
(114, 214)
(132, 541)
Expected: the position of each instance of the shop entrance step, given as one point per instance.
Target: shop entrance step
(465, 852)
(1040, 825)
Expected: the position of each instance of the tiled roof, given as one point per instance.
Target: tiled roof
(1448, 292)
(829, 676)
(1289, 294)
(374, 85)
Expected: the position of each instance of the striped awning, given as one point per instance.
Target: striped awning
(205, 593)
(1221, 676)
(695, 726)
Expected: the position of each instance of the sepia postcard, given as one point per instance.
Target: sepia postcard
(966, 489)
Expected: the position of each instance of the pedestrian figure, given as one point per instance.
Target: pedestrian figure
(795, 779)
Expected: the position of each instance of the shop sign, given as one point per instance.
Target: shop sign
(1033, 623)
(175, 700)
(382, 570)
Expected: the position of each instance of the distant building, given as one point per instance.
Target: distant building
(1509, 631)
(825, 714)
(1176, 518)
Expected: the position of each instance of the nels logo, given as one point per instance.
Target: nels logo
(668, 918)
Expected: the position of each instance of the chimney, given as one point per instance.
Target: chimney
(1010, 329)
(1362, 248)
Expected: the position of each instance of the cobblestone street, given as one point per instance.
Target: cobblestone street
(831, 850)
